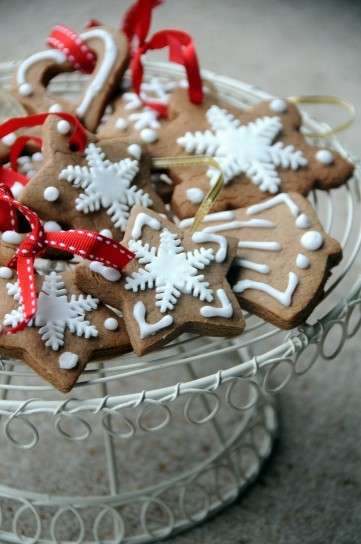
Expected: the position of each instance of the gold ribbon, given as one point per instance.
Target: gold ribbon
(327, 100)
(196, 160)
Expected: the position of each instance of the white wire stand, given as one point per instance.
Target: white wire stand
(147, 447)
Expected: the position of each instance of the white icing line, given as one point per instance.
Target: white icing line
(141, 220)
(283, 297)
(102, 74)
(265, 246)
(233, 225)
(217, 216)
(52, 54)
(251, 265)
(225, 310)
(148, 329)
(202, 237)
(282, 198)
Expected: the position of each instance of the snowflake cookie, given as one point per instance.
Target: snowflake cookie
(34, 73)
(95, 190)
(176, 283)
(283, 260)
(261, 152)
(69, 328)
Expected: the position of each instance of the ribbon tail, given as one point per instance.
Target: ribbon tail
(28, 297)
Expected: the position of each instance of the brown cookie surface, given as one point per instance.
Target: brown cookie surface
(176, 283)
(283, 260)
(261, 152)
(35, 72)
(94, 190)
(68, 330)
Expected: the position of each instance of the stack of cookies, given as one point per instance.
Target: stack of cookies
(261, 248)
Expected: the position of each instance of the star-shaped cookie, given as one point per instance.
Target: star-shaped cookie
(68, 330)
(176, 283)
(283, 260)
(261, 151)
(94, 190)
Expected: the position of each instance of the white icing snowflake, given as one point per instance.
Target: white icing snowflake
(55, 312)
(171, 270)
(106, 185)
(247, 149)
(146, 118)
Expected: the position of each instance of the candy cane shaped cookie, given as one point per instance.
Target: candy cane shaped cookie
(35, 73)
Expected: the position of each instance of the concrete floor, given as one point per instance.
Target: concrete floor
(311, 491)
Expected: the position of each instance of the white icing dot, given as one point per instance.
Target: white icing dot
(37, 157)
(195, 195)
(23, 159)
(25, 89)
(148, 135)
(9, 139)
(106, 232)
(68, 360)
(302, 221)
(121, 123)
(108, 273)
(55, 108)
(12, 237)
(63, 127)
(135, 151)
(17, 189)
(312, 240)
(111, 324)
(51, 194)
(5, 272)
(278, 105)
(302, 261)
(52, 226)
(324, 156)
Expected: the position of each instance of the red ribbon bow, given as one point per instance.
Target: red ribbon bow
(87, 244)
(182, 51)
(80, 56)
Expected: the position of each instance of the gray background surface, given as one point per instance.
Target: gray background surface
(310, 492)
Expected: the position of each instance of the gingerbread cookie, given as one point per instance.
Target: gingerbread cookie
(176, 283)
(127, 115)
(284, 257)
(33, 75)
(94, 190)
(261, 151)
(69, 328)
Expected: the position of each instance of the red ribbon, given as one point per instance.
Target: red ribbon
(18, 147)
(182, 51)
(78, 138)
(87, 244)
(137, 19)
(80, 56)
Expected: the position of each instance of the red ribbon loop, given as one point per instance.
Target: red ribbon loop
(78, 138)
(182, 51)
(87, 244)
(137, 19)
(80, 56)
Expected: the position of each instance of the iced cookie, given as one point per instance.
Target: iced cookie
(69, 328)
(34, 74)
(94, 190)
(176, 283)
(284, 256)
(260, 150)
